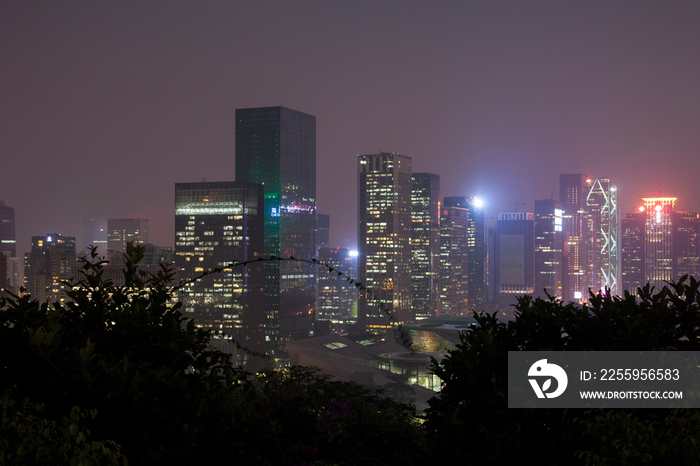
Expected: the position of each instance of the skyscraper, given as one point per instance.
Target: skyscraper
(7, 230)
(632, 252)
(515, 248)
(216, 224)
(51, 261)
(466, 233)
(572, 195)
(9, 263)
(337, 298)
(276, 146)
(548, 248)
(602, 234)
(123, 230)
(95, 234)
(670, 241)
(384, 238)
(659, 244)
(425, 244)
(454, 259)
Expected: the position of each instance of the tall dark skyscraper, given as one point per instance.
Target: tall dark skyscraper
(9, 264)
(515, 251)
(216, 224)
(7, 230)
(425, 244)
(632, 252)
(548, 248)
(384, 238)
(276, 146)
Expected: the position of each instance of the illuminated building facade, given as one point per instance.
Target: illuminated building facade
(575, 267)
(549, 244)
(336, 298)
(384, 239)
(475, 280)
(515, 251)
(123, 230)
(670, 241)
(51, 261)
(658, 240)
(425, 244)
(454, 259)
(602, 234)
(276, 146)
(216, 224)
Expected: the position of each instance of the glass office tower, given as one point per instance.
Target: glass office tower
(384, 239)
(276, 146)
(215, 225)
(425, 244)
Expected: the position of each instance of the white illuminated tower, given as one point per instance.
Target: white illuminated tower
(602, 235)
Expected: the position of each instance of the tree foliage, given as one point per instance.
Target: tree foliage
(120, 369)
(470, 417)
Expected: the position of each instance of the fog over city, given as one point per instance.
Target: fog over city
(105, 106)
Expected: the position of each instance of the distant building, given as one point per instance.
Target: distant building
(51, 261)
(217, 224)
(323, 231)
(95, 234)
(425, 244)
(515, 251)
(276, 146)
(336, 298)
(384, 239)
(123, 230)
(549, 244)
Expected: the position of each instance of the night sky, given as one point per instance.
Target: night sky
(104, 106)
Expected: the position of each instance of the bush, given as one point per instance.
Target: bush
(156, 393)
(470, 418)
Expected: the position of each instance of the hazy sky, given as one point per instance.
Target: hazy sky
(104, 106)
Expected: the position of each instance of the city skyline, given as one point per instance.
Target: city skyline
(106, 107)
